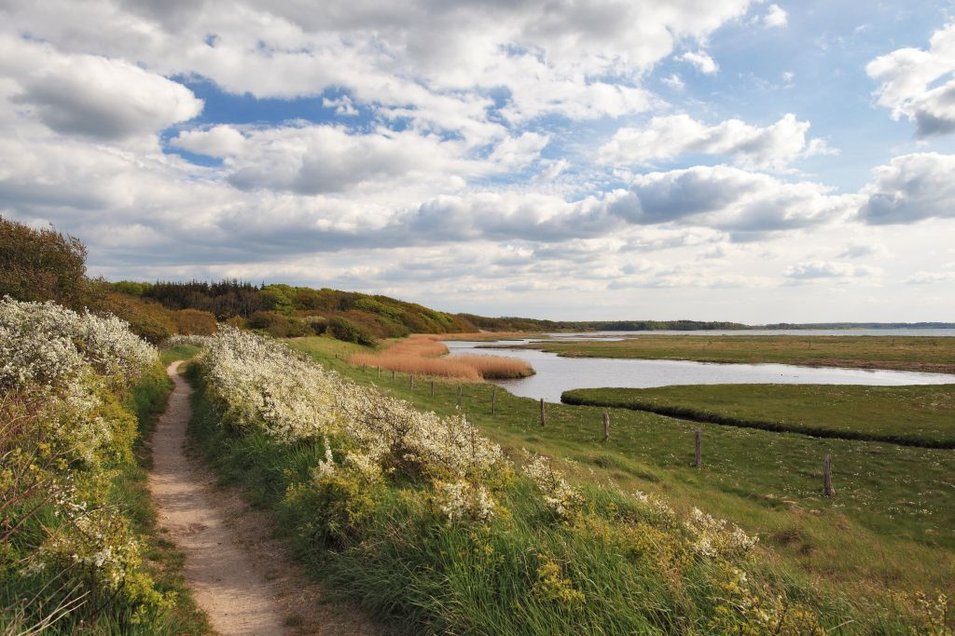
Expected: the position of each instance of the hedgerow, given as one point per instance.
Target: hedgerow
(69, 559)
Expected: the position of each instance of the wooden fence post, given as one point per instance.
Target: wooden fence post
(432, 388)
(606, 426)
(542, 412)
(698, 461)
(393, 374)
(379, 371)
(827, 476)
(459, 394)
(493, 398)
(411, 381)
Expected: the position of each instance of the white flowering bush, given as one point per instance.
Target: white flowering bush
(64, 431)
(465, 501)
(562, 498)
(48, 346)
(262, 384)
(712, 537)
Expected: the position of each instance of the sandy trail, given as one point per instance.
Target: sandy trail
(240, 576)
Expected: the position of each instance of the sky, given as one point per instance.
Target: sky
(741, 160)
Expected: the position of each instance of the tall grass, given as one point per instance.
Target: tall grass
(439, 367)
(496, 367)
(424, 355)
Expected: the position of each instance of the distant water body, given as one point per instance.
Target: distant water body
(621, 335)
(556, 375)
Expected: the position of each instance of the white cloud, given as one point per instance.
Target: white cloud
(343, 106)
(815, 270)
(90, 95)
(516, 153)
(930, 278)
(918, 84)
(857, 249)
(702, 61)
(674, 81)
(667, 137)
(744, 203)
(775, 17)
(315, 159)
(427, 60)
(911, 188)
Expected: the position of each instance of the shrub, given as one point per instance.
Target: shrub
(194, 322)
(38, 265)
(147, 319)
(346, 330)
(65, 431)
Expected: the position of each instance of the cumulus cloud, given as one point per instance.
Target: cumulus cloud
(911, 188)
(674, 81)
(918, 84)
(90, 95)
(721, 197)
(666, 137)
(702, 61)
(427, 60)
(516, 153)
(775, 17)
(314, 159)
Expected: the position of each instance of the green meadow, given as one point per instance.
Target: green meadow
(889, 529)
(909, 353)
(910, 415)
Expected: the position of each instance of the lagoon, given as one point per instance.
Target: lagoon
(556, 375)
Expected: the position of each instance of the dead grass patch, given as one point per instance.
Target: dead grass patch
(424, 355)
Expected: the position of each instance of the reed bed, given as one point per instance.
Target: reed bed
(418, 345)
(424, 355)
(417, 365)
(496, 367)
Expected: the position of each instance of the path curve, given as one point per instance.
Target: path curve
(238, 573)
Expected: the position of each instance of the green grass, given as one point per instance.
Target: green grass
(890, 527)
(609, 571)
(910, 415)
(179, 352)
(910, 353)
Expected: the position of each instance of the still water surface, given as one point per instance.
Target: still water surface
(556, 375)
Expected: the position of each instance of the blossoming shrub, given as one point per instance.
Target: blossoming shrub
(66, 428)
(432, 528)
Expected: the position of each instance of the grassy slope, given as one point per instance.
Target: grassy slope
(891, 525)
(912, 415)
(867, 352)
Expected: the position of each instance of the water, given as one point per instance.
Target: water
(556, 375)
(623, 335)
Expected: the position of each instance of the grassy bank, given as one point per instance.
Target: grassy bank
(512, 548)
(887, 531)
(911, 353)
(910, 415)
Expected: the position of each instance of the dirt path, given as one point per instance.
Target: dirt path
(241, 577)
